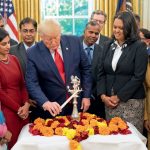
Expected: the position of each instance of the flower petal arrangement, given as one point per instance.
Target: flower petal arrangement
(76, 131)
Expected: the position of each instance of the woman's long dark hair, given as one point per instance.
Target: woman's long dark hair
(130, 28)
(3, 34)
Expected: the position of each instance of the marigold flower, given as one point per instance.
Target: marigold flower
(101, 124)
(93, 122)
(38, 126)
(39, 121)
(74, 145)
(47, 131)
(113, 128)
(104, 131)
(59, 131)
(71, 133)
(54, 124)
(91, 131)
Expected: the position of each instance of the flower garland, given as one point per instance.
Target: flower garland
(76, 131)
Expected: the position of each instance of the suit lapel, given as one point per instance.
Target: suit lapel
(49, 61)
(123, 55)
(66, 52)
(22, 53)
(95, 55)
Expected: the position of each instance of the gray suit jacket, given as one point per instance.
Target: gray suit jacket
(20, 52)
(103, 39)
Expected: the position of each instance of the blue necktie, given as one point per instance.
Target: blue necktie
(88, 51)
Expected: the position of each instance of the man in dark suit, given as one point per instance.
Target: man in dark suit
(12, 42)
(88, 40)
(100, 17)
(28, 30)
(51, 63)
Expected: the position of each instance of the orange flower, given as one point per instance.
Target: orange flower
(54, 124)
(113, 128)
(85, 122)
(37, 126)
(39, 121)
(93, 122)
(104, 131)
(59, 131)
(47, 131)
(122, 125)
(74, 145)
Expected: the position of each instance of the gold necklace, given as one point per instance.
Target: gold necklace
(5, 61)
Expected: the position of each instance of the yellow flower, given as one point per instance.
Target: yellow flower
(101, 124)
(91, 131)
(71, 133)
(65, 130)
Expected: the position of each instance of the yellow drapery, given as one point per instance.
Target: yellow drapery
(27, 8)
(109, 7)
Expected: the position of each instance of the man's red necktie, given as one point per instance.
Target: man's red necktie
(60, 65)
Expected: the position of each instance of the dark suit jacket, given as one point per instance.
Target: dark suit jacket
(20, 52)
(42, 77)
(97, 106)
(13, 42)
(103, 39)
(127, 80)
(97, 57)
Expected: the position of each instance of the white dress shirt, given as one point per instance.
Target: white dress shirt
(117, 54)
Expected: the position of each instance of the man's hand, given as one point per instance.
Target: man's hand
(85, 104)
(147, 125)
(53, 107)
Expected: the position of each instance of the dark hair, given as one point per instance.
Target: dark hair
(28, 20)
(145, 32)
(130, 28)
(98, 12)
(92, 23)
(3, 34)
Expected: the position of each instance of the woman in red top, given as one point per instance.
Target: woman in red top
(13, 93)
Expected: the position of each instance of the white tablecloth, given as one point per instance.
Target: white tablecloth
(134, 141)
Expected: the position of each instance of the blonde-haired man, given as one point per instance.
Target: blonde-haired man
(51, 62)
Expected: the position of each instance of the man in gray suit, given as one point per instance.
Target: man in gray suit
(94, 54)
(100, 17)
(28, 30)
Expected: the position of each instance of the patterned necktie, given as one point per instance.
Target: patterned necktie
(60, 65)
(88, 50)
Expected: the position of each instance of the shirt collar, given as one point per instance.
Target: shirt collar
(85, 46)
(26, 46)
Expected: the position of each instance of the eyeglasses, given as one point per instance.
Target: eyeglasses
(98, 21)
(28, 31)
